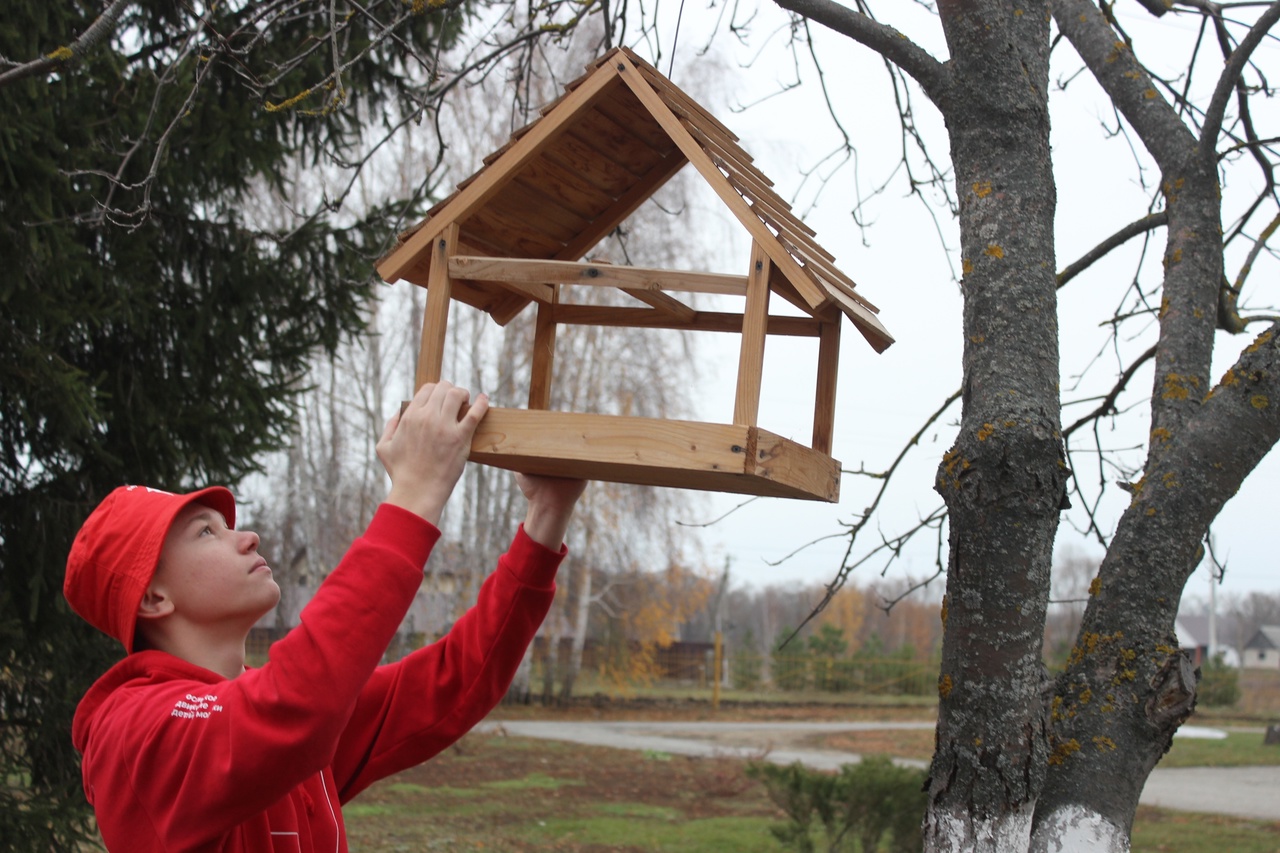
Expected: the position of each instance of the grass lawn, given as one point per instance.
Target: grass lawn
(504, 793)
(1239, 749)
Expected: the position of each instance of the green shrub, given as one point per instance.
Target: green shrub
(855, 810)
(1219, 683)
(790, 672)
(746, 669)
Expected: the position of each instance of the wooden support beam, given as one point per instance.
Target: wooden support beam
(539, 273)
(662, 302)
(824, 407)
(471, 198)
(755, 321)
(814, 295)
(701, 321)
(544, 356)
(435, 319)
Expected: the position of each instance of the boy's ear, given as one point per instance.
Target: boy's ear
(154, 604)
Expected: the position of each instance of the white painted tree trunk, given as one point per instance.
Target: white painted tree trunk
(1075, 829)
(961, 833)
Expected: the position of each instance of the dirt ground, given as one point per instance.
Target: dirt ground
(498, 792)
(493, 792)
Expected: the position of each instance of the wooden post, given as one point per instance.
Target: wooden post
(755, 322)
(435, 318)
(544, 353)
(824, 408)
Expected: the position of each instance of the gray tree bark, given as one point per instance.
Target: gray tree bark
(1021, 763)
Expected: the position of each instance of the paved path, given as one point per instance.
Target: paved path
(1252, 792)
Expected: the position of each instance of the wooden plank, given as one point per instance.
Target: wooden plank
(514, 204)
(824, 406)
(667, 89)
(508, 230)
(865, 322)
(815, 296)
(544, 356)
(676, 454)
(662, 302)
(575, 154)
(537, 205)
(624, 206)
(702, 321)
(568, 89)
(529, 290)
(435, 317)
(719, 147)
(803, 469)
(625, 110)
(819, 262)
(746, 402)
(508, 308)
(567, 187)
(616, 143)
(783, 288)
(595, 275)
(785, 226)
(548, 130)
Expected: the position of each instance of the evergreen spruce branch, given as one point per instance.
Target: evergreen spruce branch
(134, 218)
(67, 55)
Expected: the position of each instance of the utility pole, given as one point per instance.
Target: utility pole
(1215, 577)
(718, 658)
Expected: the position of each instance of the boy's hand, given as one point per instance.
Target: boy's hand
(551, 502)
(425, 447)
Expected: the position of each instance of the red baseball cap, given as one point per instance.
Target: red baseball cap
(117, 550)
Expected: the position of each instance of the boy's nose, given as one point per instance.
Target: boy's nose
(249, 540)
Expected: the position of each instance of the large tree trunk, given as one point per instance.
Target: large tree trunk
(1127, 688)
(1004, 479)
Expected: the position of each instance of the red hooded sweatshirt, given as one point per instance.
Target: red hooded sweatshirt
(179, 758)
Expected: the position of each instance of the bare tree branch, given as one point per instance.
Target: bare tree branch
(885, 40)
(1147, 223)
(68, 55)
(1230, 77)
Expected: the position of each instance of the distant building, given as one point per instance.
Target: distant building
(1263, 650)
(1193, 638)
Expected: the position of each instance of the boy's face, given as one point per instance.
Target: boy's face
(214, 575)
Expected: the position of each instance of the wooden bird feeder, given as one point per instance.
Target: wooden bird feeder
(515, 233)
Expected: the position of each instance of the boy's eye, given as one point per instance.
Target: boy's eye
(207, 529)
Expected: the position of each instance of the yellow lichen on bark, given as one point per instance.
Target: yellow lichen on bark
(1259, 343)
(993, 251)
(61, 54)
(1258, 401)
(1063, 751)
(1178, 387)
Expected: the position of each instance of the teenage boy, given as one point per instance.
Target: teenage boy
(185, 749)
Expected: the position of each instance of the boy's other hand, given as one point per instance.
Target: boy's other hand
(425, 447)
(551, 502)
